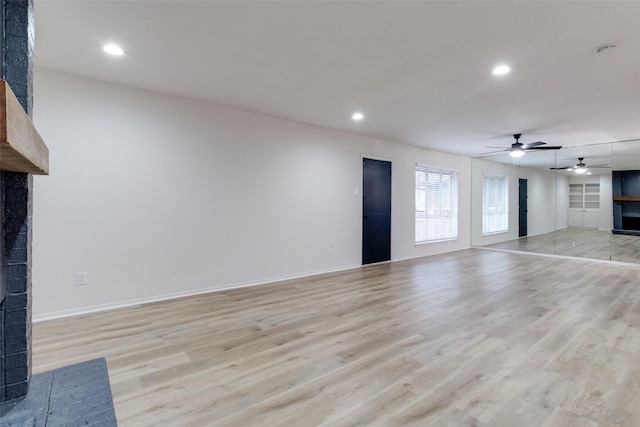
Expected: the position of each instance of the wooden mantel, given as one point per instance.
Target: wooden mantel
(626, 198)
(21, 147)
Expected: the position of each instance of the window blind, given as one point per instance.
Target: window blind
(436, 204)
(495, 204)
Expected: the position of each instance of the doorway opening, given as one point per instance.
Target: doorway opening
(376, 211)
(522, 207)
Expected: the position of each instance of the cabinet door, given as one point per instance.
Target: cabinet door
(576, 218)
(591, 219)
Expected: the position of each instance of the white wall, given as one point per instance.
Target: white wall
(541, 200)
(156, 196)
(562, 201)
(606, 201)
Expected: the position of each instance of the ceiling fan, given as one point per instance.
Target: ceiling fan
(518, 149)
(581, 167)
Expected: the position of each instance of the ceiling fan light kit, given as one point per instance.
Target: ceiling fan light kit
(580, 168)
(516, 152)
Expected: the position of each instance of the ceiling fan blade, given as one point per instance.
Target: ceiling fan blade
(489, 146)
(494, 152)
(598, 166)
(534, 144)
(560, 169)
(550, 147)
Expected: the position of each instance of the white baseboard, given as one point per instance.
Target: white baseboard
(165, 297)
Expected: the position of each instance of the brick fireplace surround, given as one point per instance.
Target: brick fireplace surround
(16, 47)
(74, 395)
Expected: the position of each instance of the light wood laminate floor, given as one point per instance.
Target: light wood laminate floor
(579, 242)
(471, 338)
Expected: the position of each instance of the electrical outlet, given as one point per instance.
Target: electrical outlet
(81, 278)
(329, 250)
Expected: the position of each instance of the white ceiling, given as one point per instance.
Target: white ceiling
(419, 71)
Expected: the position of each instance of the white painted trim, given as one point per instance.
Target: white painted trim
(382, 159)
(165, 297)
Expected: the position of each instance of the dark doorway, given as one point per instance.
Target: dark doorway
(522, 207)
(376, 211)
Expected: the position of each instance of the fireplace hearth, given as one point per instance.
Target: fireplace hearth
(76, 395)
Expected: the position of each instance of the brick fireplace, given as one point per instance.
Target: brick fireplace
(19, 145)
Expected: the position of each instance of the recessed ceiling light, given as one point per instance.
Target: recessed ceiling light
(501, 70)
(113, 49)
(357, 116)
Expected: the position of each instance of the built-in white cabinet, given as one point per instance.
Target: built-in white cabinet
(584, 205)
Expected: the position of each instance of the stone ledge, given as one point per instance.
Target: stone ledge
(21, 147)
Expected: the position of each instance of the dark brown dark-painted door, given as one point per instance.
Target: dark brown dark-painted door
(522, 207)
(376, 211)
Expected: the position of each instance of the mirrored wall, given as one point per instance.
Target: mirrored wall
(577, 201)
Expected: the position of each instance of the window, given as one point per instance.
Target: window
(436, 204)
(495, 204)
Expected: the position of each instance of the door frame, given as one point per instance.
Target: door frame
(526, 216)
(360, 192)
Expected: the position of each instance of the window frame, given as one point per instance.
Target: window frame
(502, 205)
(443, 226)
